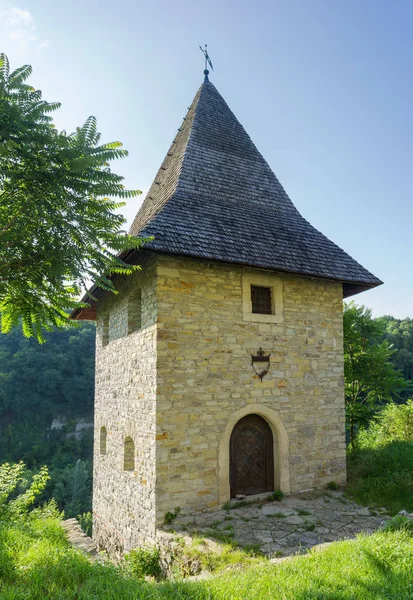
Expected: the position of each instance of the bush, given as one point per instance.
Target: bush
(399, 523)
(86, 521)
(276, 496)
(394, 423)
(144, 562)
(332, 485)
(19, 489)
(171, 515)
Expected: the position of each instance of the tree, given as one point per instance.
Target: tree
(399, 333)
(370, 377)
(58, 225)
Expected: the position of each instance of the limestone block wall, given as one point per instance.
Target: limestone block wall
(205, 381)
(124, 501)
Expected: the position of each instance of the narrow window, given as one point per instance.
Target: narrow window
(103, 436)
(261, 300)
(105, 331)
(129, 455)
(134, 311)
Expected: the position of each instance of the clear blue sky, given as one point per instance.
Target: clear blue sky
(323, 87)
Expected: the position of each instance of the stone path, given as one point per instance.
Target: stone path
(287, 527)
(80, 540)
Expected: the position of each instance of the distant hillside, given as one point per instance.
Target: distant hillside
(46, 409)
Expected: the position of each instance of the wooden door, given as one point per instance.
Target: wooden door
(251, 457)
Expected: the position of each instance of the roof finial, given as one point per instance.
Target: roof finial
(207, 61)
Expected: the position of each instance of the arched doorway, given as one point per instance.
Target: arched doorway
(251, 457)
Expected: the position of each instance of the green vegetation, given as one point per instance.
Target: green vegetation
(86, 522)
(221, 536)
(144, 562)
(36, 562)
(332, 485)
(371, 378)
(399, 523)
(399, 334)
(276, 496)
(59, 225)
(394, 423)
(237, 504)
(47, 384)
(170, 516)
(381, 466)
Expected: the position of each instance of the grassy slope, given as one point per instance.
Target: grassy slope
(37, 563)
(383, 476)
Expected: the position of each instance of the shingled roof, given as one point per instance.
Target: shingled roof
(215, 197)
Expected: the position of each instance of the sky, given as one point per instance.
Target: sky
(323, 87)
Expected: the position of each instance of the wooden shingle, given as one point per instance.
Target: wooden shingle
(215, 197)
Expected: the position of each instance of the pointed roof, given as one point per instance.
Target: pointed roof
(215, 197)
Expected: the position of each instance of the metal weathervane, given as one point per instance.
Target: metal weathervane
(207, 61)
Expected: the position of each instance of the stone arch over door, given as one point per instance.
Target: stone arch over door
(280, 449)
(251, 460)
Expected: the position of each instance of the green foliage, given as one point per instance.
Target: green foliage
(276, 496)
(380, 468)
(399, 523)
(42, 384)
(332, 485)
(399, 334)
(86, 523)
(58, 222)
(393, 423)
(144, 562)
(191, 560)
(36, 561)
(221, 536)
(382, 476)
(370, 377)
(18, 491)
(170, 516)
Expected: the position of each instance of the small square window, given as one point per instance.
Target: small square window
(261, 300)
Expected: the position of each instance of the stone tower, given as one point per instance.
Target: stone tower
(190, 410)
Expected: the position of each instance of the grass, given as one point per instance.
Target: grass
(382, 476)
(37, 563)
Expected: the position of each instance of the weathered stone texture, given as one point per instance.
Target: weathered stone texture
(175, 385)
(204, 375)
(124, 501)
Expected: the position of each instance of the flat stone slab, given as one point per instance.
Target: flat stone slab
(292, 526)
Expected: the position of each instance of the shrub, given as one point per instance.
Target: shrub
(85, 521)
(276, 496)
(394, 423)
(144, 562)
(171, 515)
(399, 523)
(332, 485)
(18, 492)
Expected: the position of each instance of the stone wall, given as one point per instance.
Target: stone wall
(205, 381)
(179, 384)
(124, 501)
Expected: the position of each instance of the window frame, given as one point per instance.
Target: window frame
(263, 280)
(129, 464)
